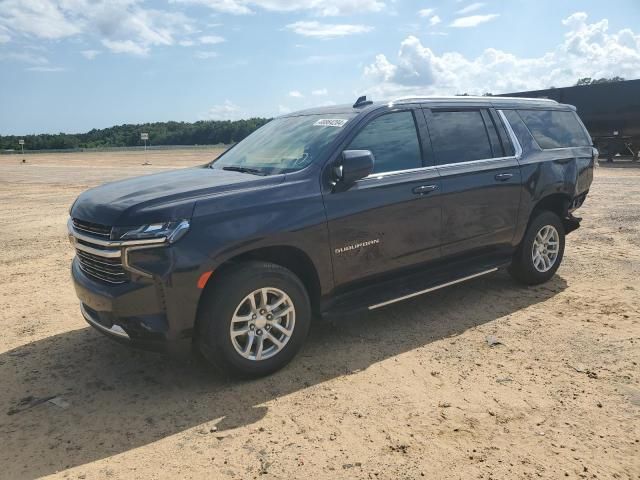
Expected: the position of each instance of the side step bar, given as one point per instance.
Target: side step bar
(431, 289)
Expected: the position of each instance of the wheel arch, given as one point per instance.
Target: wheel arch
(289, 257)
(557, 203)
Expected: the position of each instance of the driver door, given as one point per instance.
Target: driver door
(390, 219)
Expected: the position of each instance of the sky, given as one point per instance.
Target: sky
(73, 65)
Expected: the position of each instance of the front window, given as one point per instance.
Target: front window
(283, 145)
(393, 140)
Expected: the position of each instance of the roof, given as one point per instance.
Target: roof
(494, 101)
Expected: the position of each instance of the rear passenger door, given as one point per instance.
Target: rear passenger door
(480, 179)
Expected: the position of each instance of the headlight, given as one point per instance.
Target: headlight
(173, 231)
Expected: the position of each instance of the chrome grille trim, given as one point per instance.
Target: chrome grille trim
(96, 258)
(111, 243)
(98, 252)
(91, 228)
(102, 258)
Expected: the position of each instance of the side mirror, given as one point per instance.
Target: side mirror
(356, 164)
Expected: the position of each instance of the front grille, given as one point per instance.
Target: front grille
(92, 228)
(106, 269)
(97, 257)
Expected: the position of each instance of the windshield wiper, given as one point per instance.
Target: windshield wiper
(253, 171)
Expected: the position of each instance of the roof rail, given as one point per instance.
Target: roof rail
(469, 97)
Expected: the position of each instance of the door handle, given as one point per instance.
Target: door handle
(424, 189)
(503, 177)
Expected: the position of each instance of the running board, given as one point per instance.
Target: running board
(431, 289)
(404, 285)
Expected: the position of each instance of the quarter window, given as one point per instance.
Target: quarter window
(393, 140)
(459, 136)
(554, 128)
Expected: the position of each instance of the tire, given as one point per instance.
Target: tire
(227, 306)
(532, 269)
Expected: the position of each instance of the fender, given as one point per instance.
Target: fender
(553, 178)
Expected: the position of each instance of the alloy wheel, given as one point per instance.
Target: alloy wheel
(262, 323)
(546, 246)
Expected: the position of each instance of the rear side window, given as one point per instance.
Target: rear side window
(393, 140)
(459, 136)
(554, 129)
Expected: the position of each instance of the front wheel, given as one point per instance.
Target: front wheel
(254, 319)
(541, 250)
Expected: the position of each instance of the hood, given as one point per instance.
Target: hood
(162, 196)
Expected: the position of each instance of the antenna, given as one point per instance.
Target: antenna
(362, 102)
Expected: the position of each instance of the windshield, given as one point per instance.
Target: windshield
(283, 145)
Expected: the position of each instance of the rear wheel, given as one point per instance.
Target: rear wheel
(254, 319)
(541, 250)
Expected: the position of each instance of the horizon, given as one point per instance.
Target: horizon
(244, 119)
(74, 66)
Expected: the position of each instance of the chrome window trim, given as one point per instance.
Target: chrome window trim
(477, 165)
(463, 167)
(512, 134)
(394, 173)
(482, 161)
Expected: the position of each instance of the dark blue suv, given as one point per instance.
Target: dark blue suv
(329, 211)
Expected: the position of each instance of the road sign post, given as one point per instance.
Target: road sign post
(145, 137)
(21, 143)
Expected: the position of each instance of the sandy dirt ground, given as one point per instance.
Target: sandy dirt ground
(412, 391)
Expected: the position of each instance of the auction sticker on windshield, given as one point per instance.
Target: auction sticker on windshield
(330, 122)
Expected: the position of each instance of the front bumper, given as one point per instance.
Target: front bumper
(145, 313)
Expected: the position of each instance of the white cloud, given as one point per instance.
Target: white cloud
(321, 92)
(211, 39)
(425, 12)
(318, 7)
(126, 46)
(4, 35)
(39, 18)
(186, 43)
(587, 50)
(90, 54)
(473, 20)
(381, 70)
(123, 26)
(326, 30)
(202, 55)
(470, 8)
(435, 20)
(283, 110)
(296, 94)
(225, 111)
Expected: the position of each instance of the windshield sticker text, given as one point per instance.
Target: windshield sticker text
(330, 122)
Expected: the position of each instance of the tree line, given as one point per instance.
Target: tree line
(205, 132)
